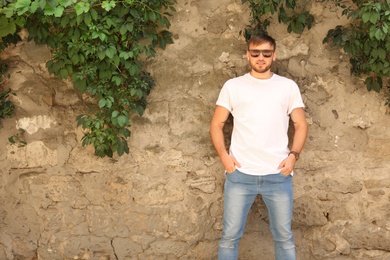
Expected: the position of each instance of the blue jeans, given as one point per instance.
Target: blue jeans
(240, 192)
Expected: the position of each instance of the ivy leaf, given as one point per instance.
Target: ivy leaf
(75, 59)
(302, 18)
(108, 5)
(122, 120)
(109, 103)
(110, 22)
(366, 17)
(114, 114)
(130, 27)
(64, 73)
(374, 17)
(110, 52)
(58, 11)
(152, 16)
(102, 103)
(6, 26)
(66, 3)
(382, 54)
(42, 4)
(101, 55)
(282, 16)
(49, 10)
(140, 110)
(8, 11)
(20, 4)
(80, 84)
(123, 29)
(117, 80)
(116, 60)
(133, 69)
(34, 6)
(94, 14)
(373, 84)
(23, 6)
(87, 19)
(140, 93)
(125, 132)
(82, 7)
(379, 34)
(385, 27)
(122, 147)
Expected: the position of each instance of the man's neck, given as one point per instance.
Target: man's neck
(265, 75)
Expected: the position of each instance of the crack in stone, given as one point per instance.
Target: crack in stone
(113, 249)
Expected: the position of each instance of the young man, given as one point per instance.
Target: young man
(259, 160)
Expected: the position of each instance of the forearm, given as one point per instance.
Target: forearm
(217, 138)
(299, 138)
(300, 126)
(216, 130)
(228, 162)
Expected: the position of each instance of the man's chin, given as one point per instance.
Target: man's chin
(261, 70)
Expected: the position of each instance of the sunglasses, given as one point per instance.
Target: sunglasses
(266, 53)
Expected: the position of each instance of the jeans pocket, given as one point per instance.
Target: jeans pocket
(230, 173)
(231, 176)
(283, 178)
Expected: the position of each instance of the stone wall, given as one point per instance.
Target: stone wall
(164, 199)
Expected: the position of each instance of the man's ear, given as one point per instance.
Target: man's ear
(274, 56)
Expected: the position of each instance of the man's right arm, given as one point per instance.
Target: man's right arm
(218, 121)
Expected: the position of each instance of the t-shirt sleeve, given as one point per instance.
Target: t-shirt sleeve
(295, 98)
(224, 99)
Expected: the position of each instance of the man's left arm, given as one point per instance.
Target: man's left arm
(300, 126)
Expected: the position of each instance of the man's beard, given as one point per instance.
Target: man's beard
(261, 70)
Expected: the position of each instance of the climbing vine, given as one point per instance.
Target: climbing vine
(100, 45)
(290, 12)
(7, 108)
(366, 38)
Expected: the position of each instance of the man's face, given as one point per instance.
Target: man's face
(261, 57)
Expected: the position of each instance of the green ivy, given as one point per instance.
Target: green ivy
(366, 39)
(100, 45)
(18, 139)
(289, 12)
(7, 108)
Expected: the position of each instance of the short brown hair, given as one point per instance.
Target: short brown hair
(259, 39)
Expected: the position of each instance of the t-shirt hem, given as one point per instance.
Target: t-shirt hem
(260, 174)
(257, 173)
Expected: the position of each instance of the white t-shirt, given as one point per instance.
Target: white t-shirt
(261, 109)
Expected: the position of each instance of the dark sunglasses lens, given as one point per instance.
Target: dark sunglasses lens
(267, 54)
(256, 53)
